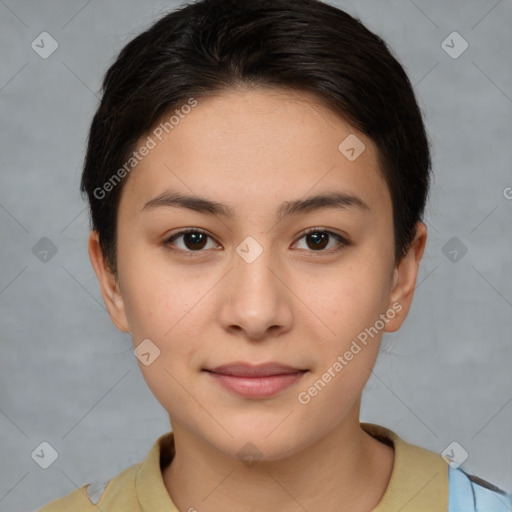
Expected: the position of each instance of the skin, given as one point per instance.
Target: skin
(252, 149)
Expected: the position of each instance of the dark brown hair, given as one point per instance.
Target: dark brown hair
(213, 45)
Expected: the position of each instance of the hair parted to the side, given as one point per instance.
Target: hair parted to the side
(213, 45)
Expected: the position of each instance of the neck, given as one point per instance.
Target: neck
(203, 478)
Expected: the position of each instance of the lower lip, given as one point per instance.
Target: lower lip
(257, 387)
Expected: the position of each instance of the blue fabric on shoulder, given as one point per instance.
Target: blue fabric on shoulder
(468, 496)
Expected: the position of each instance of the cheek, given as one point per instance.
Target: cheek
(348, 298)
(346, 354)
(170, 321)
(167, 312)
(163, 315)
(156, 296)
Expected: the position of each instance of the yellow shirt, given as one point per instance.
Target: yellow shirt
(419, 482)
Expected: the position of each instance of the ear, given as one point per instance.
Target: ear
(108, 283)
(404, 279)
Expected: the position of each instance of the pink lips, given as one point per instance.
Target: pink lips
(256, 381)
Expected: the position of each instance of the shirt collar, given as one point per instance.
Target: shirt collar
(419, 479)
(149, 483)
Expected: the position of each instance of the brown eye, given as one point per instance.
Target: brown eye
(317, 240)
(194, 240)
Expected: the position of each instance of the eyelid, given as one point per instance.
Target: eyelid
(342, 240)
(320, 229)
(167, 240)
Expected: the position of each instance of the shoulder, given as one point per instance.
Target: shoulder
(141, 482)
(471, 493)
(117, 493)
(459, 490)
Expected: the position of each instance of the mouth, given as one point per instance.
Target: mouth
(255, 381)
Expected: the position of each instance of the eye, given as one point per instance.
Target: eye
(317, 239)
(194, 240)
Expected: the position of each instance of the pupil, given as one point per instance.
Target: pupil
(318, 237)
(195, 240)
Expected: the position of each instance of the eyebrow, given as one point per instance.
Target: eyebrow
(287, 208)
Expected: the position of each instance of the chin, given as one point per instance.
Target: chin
(252, 444)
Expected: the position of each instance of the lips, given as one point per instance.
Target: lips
(261, 370)
(255, 381)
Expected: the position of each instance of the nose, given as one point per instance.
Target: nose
(256, 300)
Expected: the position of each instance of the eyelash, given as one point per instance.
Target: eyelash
(343, 242)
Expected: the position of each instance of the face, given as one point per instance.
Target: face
(266, 275)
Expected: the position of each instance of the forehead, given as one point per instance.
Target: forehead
(251, 148)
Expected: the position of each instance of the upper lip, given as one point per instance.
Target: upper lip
(241, 369)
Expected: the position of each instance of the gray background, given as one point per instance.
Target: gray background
(68, 377)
